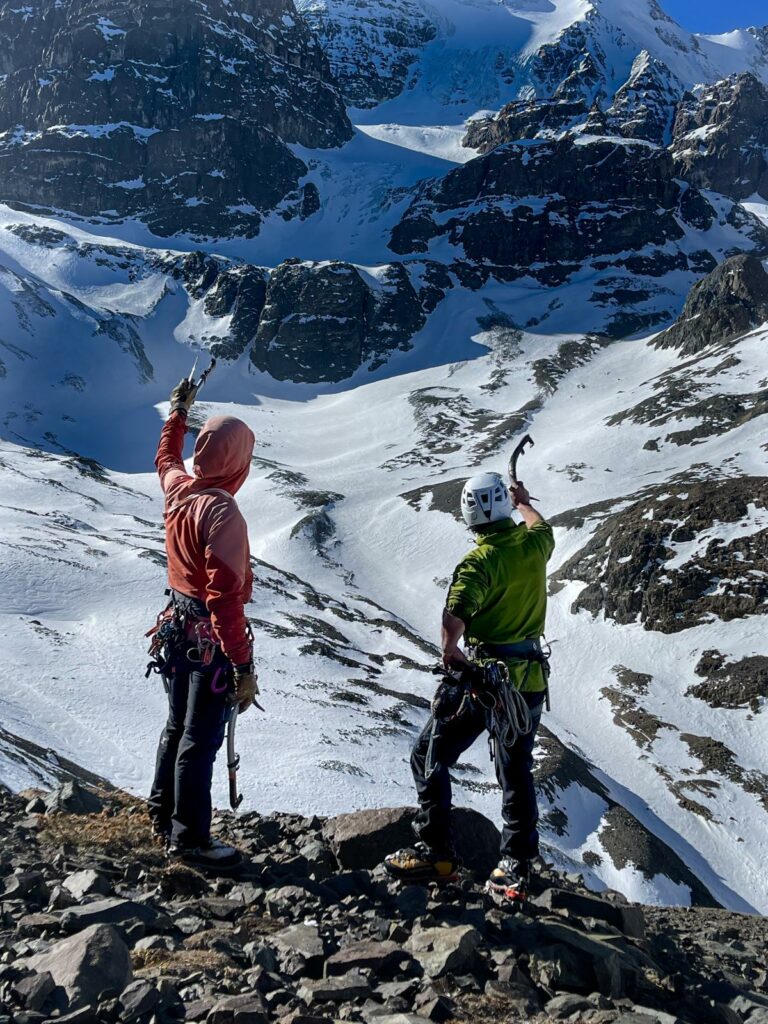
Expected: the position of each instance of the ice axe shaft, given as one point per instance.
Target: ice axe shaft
(233, 759)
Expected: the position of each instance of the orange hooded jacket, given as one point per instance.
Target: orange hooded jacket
(205, 534)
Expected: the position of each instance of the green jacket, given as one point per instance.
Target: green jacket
(499, 590)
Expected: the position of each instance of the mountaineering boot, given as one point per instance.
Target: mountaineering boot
(511, 880)
(215, 856)
(419, 863)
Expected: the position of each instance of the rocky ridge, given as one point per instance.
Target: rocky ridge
(95, 925)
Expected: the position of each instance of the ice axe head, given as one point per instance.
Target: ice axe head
(203, 376)
(519, 450)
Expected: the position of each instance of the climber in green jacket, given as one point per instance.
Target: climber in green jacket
(496, 605)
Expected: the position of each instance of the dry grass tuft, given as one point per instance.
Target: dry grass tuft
(122, 830)
(179, 962)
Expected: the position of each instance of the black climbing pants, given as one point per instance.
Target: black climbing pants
(198, 705)
(514, 771)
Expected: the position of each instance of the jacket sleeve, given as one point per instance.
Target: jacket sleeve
(468, 590)
(228, 569)
(169, 459)
(543, 537)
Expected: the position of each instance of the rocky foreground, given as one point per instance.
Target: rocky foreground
(97, 926)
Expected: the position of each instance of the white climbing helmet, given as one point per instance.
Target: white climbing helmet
(485, 499)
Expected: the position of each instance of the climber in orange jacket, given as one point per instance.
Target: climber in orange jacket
(208, 662)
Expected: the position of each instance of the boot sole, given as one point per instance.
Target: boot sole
(206, 867)
(418, 876)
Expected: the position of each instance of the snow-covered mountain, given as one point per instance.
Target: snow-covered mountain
(530, 194)
(412, 58)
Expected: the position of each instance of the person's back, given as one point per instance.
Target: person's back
(499, 590)
(497, 603)
(203, 647)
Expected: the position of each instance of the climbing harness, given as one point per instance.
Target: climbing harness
(485, 681)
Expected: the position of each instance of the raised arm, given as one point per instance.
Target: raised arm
(522, 502)
(170, 450)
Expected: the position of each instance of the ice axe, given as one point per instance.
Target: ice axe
(519, 450)
(203, 376)
(233, 759)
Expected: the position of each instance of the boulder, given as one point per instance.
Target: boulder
(86, 883)
(361, 839)
(72, 798)
(567, 1004)
(87, 965)
(247, 1008)
(113, 911)
(302, 941)
(626, 918)
(379, 957)
(34, 990)
(137, 999)
(339, 989)
(442, 951)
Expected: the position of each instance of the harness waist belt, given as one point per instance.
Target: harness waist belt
(190, 605)
(524, 650)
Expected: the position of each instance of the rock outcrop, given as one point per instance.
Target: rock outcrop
(646, 105)
(545, 207)
(721, 138)
(322, 321)
(722, 307)
(292, 938)
(644, 563)
(371, 47)
(178, 118)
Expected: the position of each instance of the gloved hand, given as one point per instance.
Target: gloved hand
(183, 395)
(246, 687)
(519, 494)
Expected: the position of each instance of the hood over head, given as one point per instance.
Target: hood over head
(223, 452)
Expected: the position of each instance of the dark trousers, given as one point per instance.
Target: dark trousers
(514, 772)
(198, 705)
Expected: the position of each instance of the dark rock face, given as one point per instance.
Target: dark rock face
(371, 47)
(737, 684)
(322, 321)
(725, 305)
(721, 138)
(548, 204)
(525, 119)
(180, 119)
(626, 562)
